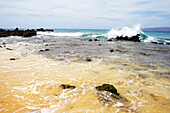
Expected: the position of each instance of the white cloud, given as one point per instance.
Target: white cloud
(84, 13)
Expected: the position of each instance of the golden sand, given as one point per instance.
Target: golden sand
(31, 84)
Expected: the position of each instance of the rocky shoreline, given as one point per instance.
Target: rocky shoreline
(33, 32)
(23, 33)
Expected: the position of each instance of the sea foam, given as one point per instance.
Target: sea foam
(125, 31)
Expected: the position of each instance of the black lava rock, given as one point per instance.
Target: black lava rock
(96, 40)
(109, 88)
(110, 40)
(111, 50)
(135, 38)
(154, 42)
(12, 58)
(9, 49)
(17, 32)
(88, 59)
(67, 86)
(90, 40)
(46, 50)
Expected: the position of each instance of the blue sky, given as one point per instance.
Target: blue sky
(100, 14)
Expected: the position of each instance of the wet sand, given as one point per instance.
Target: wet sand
(31, 84)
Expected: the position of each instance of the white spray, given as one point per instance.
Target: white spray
(125, 31)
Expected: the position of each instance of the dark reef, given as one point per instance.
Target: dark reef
(23, 33)
(135, 38)
(17, 32)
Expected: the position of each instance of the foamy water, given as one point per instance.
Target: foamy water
(125, 31)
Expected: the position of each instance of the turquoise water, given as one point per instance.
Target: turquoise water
(160, 37)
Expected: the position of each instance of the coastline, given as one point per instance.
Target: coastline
(31, 83)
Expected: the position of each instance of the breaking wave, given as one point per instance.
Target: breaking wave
(129, 32)
(113, 33)
(125, 31)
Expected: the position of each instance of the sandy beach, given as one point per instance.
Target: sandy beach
(31, 84)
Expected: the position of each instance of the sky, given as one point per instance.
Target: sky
(84, 14)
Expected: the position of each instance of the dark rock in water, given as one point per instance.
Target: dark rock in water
(133, 38)
(67, 86)
(110, 40)
(167, 43)
(46, 45)
(2, 30)
(46, 50)
(100, 44)
(111, 50)
(115, 50)
(16, 29)
(41, 29)
(88, 59)
(107, 87)
(157, 43)
(154, 42)
(90, 40)
(0, 46)
(29, 33)
(160, 43)
(17, 32)
(143, 54)
(9, 49)
(96, 40)
(12, 58)
(125, 64)
(118, 50)
(122, 38)
(126, 38)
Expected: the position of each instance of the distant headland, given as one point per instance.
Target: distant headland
(157, 29)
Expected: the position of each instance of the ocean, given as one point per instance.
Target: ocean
(140, 71)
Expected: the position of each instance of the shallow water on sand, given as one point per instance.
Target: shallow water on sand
(31, 82)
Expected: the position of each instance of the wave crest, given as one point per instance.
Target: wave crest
(125, 31)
